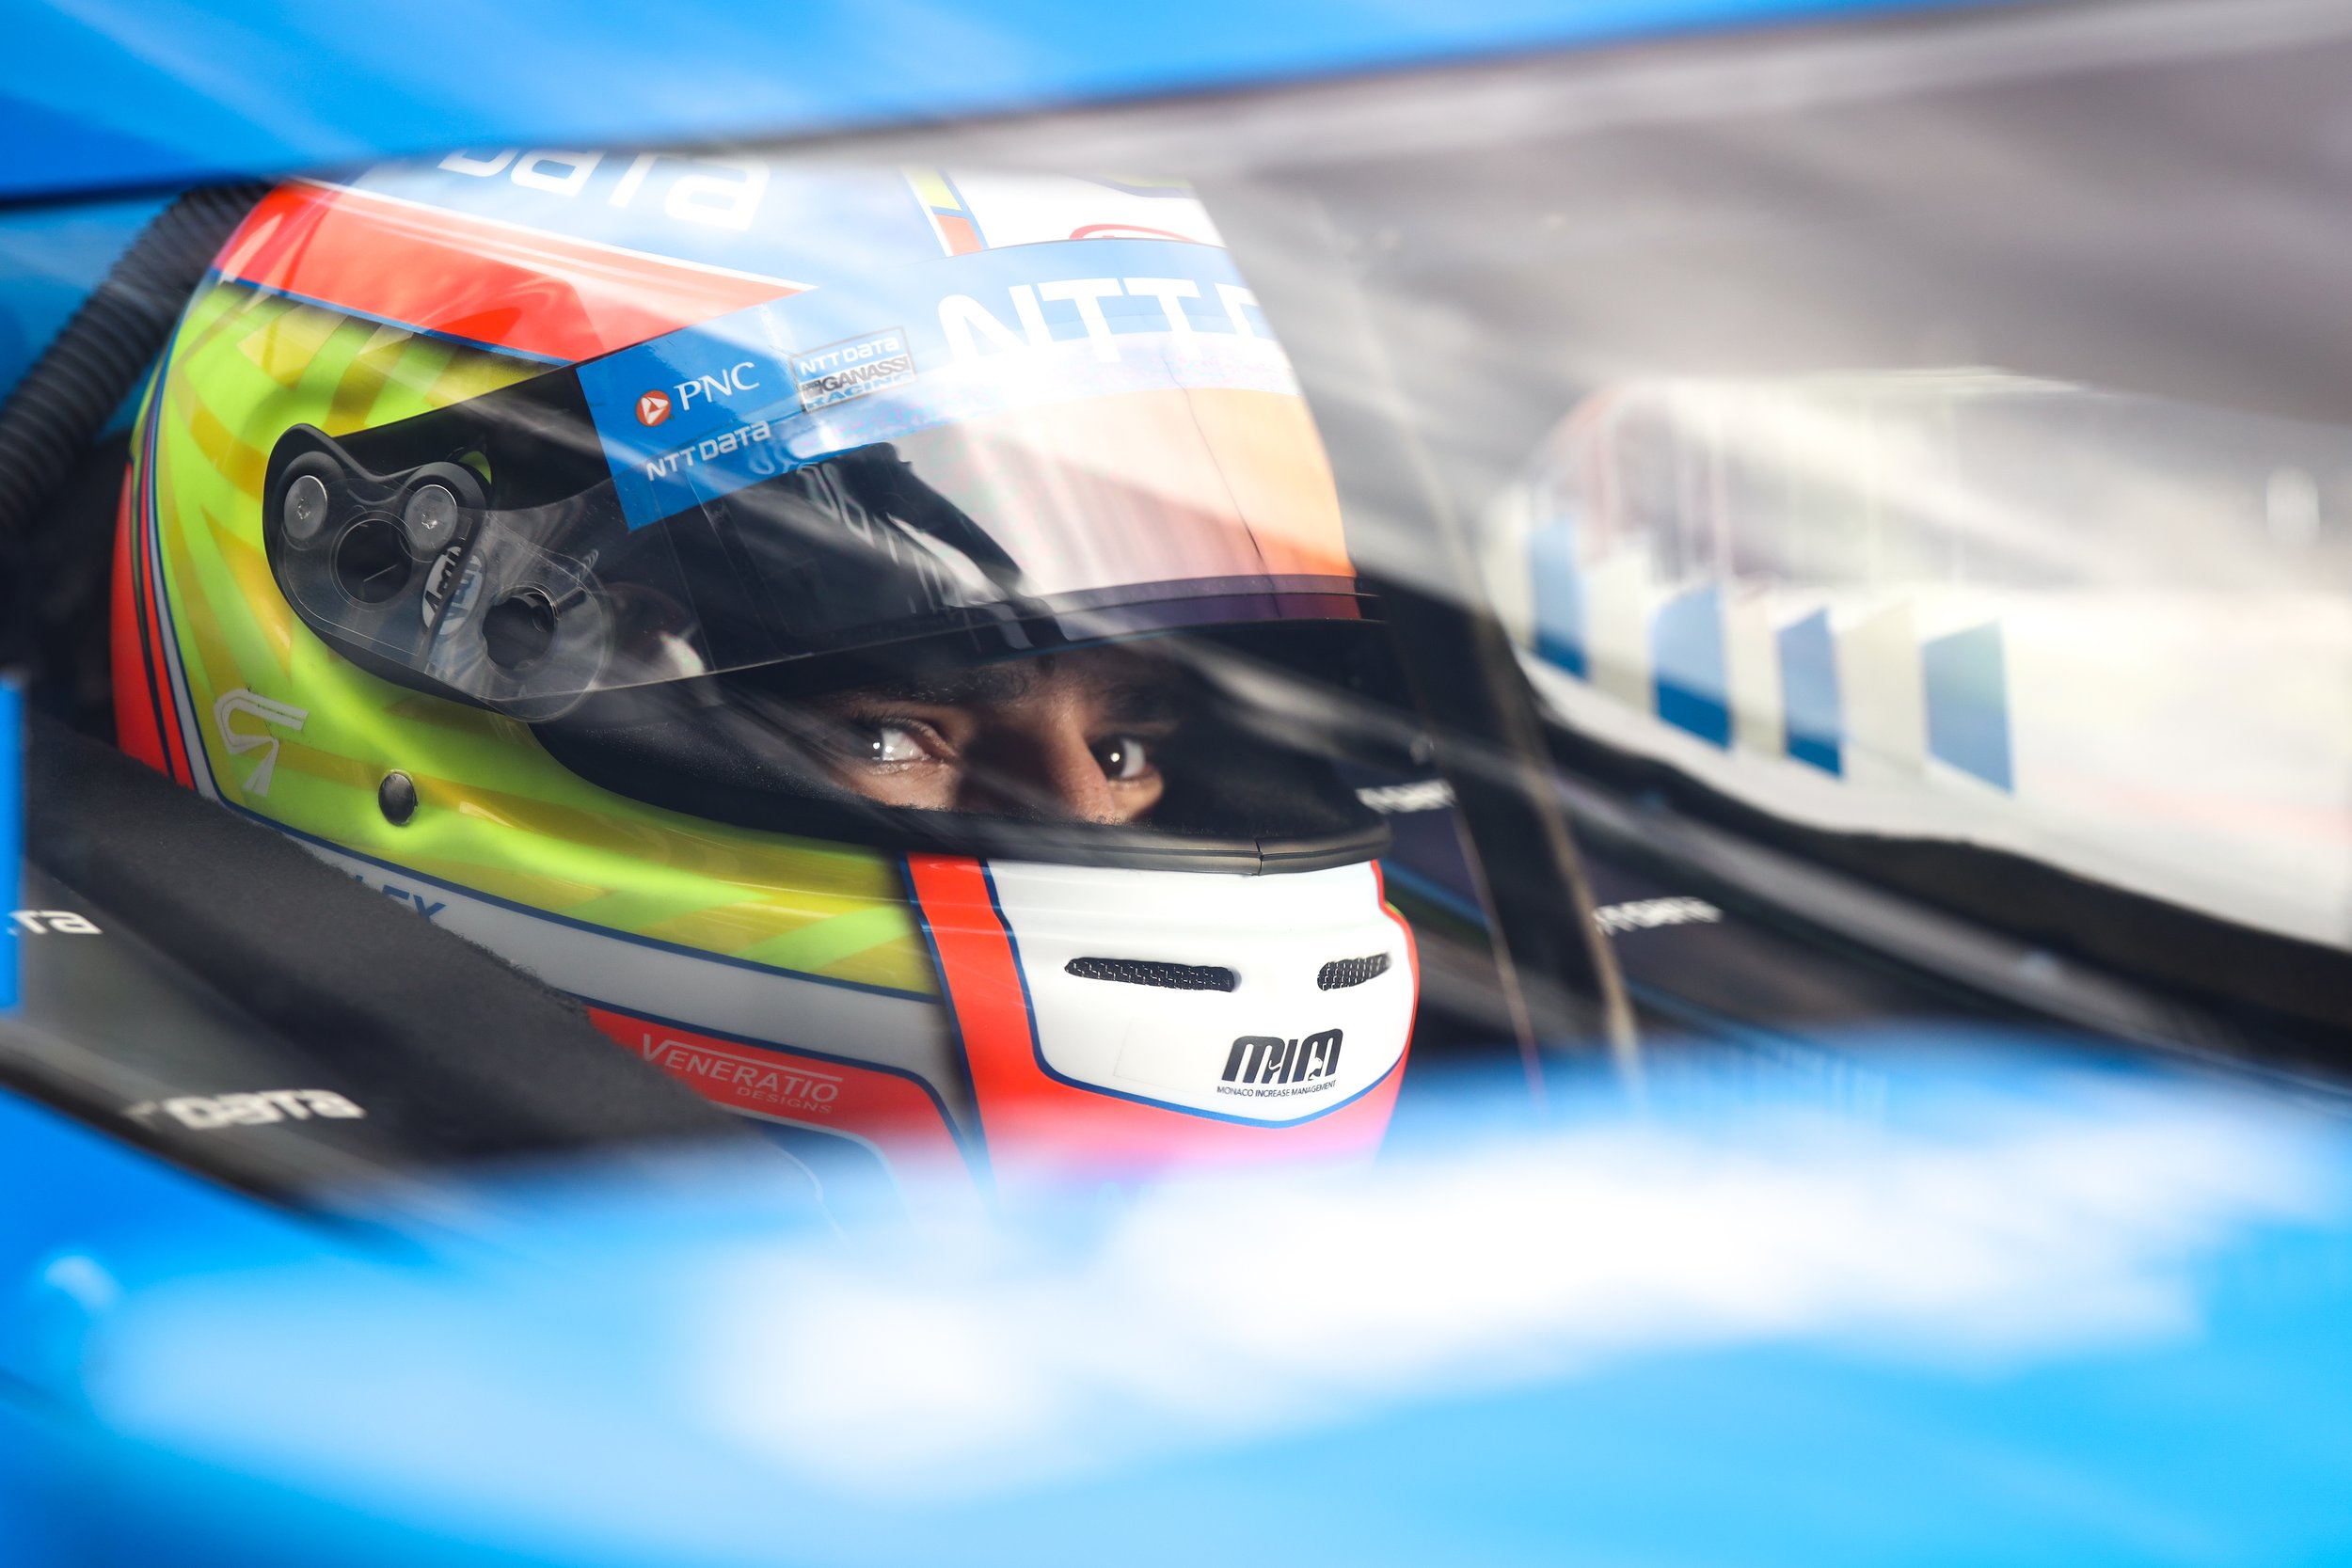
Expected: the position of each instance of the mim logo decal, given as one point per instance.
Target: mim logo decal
(270, 712)
(1265, 1065)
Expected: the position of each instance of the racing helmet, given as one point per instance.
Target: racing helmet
(808, 614)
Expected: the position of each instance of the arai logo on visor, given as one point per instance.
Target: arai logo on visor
(652, 407)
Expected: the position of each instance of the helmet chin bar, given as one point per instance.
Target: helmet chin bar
(1077, 1076)
(412, 577)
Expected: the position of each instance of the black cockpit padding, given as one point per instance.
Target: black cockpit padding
(454, 1053)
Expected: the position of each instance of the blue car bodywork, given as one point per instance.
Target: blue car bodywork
(1740, 1320)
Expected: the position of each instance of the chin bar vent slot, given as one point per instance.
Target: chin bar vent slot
(1142, 971)
(1340, 974)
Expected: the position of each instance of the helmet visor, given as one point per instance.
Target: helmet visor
(725, 498)
(790, 585)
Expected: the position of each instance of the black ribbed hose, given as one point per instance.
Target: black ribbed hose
(51, 418)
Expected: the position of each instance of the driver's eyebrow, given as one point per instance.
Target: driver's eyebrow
(993, 683)
(1145, 700)
(1139, 697)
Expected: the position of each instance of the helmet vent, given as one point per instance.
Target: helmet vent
(1342, 973)
(1144, 972)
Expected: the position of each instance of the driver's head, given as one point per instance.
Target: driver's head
(829, 666)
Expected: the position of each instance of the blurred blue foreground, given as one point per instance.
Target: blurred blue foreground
(1920, 1303)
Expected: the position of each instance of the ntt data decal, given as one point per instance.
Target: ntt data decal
(714, 408)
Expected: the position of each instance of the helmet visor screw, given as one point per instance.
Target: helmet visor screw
(306, 507)
(396, 797)
(430, 516)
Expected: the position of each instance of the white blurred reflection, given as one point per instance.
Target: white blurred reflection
(2107, 631)
(1203, 1315)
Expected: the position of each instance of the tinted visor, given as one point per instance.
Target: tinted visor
(722, 499)
(673, 577)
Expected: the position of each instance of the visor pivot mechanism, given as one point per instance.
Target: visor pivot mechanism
(306, 508)
(396, 798)
(430, 516)
(520, 628)
(369, 563)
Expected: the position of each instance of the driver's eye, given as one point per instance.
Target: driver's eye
(892, 743)
(1123, 756)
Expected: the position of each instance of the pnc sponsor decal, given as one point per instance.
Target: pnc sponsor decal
(655, 406)
(736, 378)
(1263, 1066)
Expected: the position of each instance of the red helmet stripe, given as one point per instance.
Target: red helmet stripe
(146, 708)
(524, 290)
(139, 721)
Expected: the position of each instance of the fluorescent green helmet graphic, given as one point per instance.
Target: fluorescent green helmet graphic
(801, 640)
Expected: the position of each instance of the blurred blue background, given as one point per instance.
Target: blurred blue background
(131, 98)
(120, 93)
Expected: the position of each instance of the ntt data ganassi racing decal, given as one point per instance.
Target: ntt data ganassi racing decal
(706, 410)
(851, 368)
